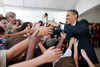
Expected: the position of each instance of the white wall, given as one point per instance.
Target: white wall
(93, 16)
(84, 5)
(1, 3)
(2, 11)
(34, 16)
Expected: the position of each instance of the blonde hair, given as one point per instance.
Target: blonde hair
(10, 14)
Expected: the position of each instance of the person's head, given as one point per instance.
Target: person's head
(94, 28)
(2, 31)
(97, 65)
(72, 16)
(18, 22)
(24, 25)
(41, 23)
(46, 14)
(3, 22)
(89, 27)
(66, 61)
(11, 17)
(98, 27)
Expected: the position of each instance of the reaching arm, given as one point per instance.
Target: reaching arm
(17, 49)
(43, 49)
(78, 29)
(50, 55)
(20, 47)
(20, 33)
(86, 58)
(30, 53)
(33, 41)
(90, 63)
(76, 52)
(63, 36)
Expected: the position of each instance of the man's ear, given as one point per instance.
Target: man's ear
(75, 16)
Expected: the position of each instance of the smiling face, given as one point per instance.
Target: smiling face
(71, 17)
(3, 23)
(11, 17)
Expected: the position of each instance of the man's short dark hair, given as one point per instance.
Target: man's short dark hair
(74, 12)
(2, 31)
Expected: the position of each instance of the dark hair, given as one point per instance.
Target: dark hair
(46, 14)
(68, 62)
(24, 25)
(2, 18)
(11, 41)
(18, 20)
(1, 30)
(74, 12)
(41, 23)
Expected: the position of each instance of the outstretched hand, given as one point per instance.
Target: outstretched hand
(76, 42)
(27, 30)
(52, 54)
(72, 40)
(45, 31)
(84, 54)
(53, 24)
(34, 38)
(63, 35)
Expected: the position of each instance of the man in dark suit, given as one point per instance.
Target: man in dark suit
(79, 30)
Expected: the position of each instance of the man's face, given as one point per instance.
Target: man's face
(3, 23)
(70, 17)
(12, 19)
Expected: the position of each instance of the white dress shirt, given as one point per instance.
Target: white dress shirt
(62, 26)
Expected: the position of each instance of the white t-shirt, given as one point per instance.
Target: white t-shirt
(2, 58)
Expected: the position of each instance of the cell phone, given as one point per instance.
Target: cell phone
(61, 23)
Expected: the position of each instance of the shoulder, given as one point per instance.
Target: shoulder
(83, 21)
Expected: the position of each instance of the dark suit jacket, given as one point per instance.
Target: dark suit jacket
(81, 32)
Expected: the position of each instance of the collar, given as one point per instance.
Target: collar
(74, 24)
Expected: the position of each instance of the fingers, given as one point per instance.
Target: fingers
(72, 38)
(58, 56)
(50, 32)
(57, 50)
(49, 27)
(84, 54)
(27, 28)
(51, 48)
(82, 50)
(59, 53)
(76, 41)
(36, 33)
